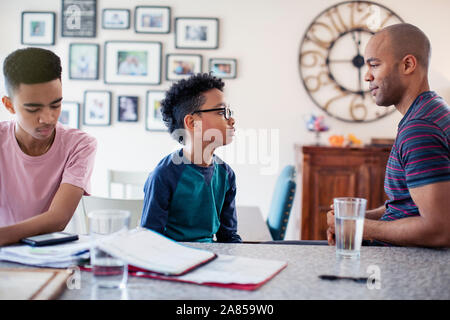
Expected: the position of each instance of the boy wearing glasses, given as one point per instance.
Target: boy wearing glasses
(190, 196)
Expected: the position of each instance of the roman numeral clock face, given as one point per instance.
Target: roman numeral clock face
(331, 59)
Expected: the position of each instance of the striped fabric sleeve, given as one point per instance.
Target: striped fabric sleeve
(424, 153)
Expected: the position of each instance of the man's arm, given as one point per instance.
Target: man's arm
(55, 219)
(430, 229)
(375, 214)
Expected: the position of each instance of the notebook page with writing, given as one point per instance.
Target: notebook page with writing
(151, 251)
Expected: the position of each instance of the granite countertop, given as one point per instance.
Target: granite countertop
(404, 273)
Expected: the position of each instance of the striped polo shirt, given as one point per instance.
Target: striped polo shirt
(420, 154)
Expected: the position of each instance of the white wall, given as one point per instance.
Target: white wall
(264, 36)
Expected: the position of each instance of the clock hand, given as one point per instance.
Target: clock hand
(357, 43)
(360, 83)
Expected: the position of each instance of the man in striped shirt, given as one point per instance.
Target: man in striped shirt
(417, 177)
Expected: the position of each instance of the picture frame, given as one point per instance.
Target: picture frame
(79, 18)
(127, 107)
(132, 62)
(38, 28)
(196, 33)
(182, 66)
(152, 19)
(70, 114)
(117, 19)
(224, 68)
(97, 108)
(153, 116)
(84, 61)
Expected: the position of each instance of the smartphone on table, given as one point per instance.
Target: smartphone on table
(49, 239)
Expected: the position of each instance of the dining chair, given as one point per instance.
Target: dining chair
(130, 180)
(91, 203)
(282, 201)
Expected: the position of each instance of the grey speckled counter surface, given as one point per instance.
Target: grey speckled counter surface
(404, 273)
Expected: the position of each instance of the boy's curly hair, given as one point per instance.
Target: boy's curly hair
(185, 97)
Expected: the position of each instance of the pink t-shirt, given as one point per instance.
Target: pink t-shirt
(28, 184)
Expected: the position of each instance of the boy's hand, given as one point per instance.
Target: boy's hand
(330, 231)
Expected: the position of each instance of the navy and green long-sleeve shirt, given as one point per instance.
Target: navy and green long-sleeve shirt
(186, 202)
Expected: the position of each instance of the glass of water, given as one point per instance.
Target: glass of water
(349, 225)
(108, 271)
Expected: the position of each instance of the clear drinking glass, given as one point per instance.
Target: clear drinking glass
(349, 224)
(108, 271)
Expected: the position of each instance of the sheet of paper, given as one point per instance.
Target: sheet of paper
(149, 250)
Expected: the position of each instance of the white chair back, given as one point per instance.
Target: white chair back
(132, 182)
(92, 203)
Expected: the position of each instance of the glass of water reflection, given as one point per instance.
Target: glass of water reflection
(349, 225)
(108, 271)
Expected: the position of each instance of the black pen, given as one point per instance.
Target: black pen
(333, 277)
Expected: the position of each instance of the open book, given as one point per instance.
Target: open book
(151, 251)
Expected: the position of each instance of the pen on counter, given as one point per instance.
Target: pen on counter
(333, 277)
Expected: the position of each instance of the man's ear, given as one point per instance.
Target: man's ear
(8, 104)
(409, 64)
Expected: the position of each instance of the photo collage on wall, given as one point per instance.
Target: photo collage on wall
(125, 62)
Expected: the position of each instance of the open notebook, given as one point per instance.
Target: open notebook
(148, 250)
(151, 255)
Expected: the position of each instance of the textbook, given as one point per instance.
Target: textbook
(149, 250)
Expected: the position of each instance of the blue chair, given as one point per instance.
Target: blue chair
(282, 200)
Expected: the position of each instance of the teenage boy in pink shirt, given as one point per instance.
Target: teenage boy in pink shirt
(45, 168)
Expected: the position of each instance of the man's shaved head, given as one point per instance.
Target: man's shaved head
(408, 39)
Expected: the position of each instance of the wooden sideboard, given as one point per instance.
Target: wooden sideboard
(329, 172)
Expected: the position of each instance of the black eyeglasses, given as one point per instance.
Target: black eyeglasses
(227, 112)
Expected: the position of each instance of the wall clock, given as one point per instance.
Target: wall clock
(331, 61)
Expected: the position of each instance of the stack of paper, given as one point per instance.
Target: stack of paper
(56, 256)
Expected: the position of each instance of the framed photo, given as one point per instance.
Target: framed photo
(196, 33)
(132, 62)
(97, 108)
(83, 61)
(116, 19)
(223, 68)
(70, 114)
(38, 28)
(128, 108)
(153, 116)
(79, 18)
(181, 66)
(152, 19)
